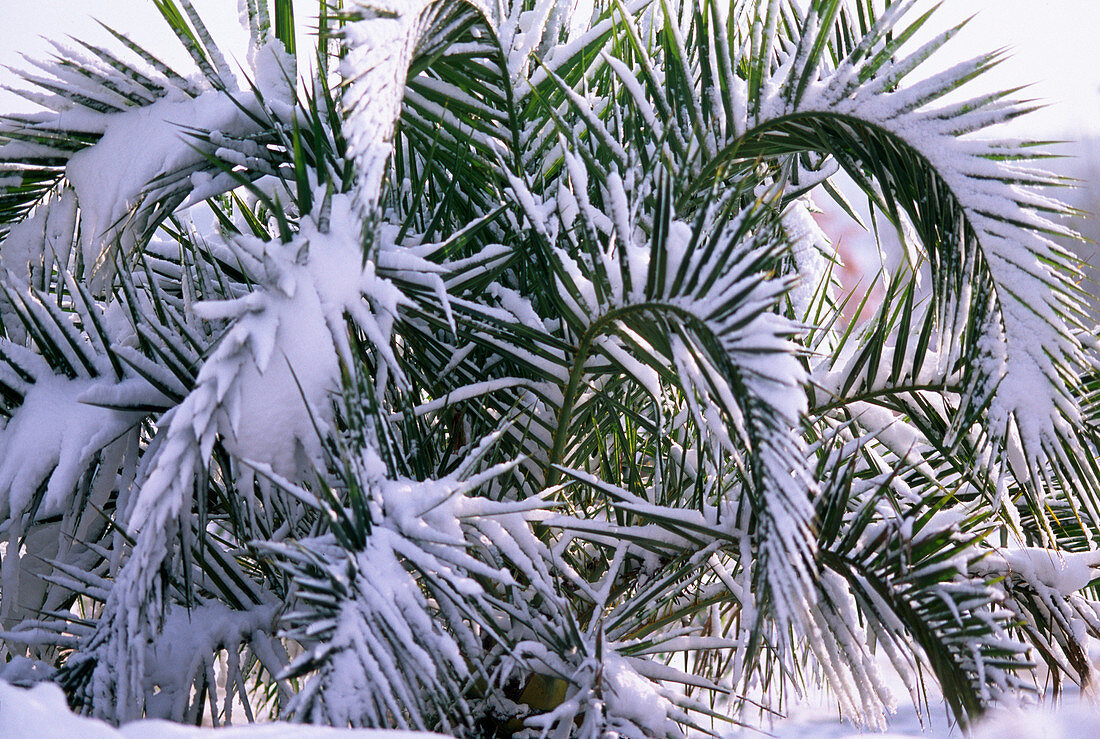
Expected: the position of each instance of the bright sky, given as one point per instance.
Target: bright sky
(1054, 44)
(25, 26)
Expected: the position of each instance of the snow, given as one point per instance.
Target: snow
(282, 345)
(380, 49)
(631, 697)
(42, 713)
(1075, 717)
(185, 645)
(50, 438)
(137, 146)
(1064, 572)
(33, 245)
(809, 245)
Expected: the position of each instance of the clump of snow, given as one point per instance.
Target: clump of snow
(51, 437)
(1064, 572)
(42, 711)
(275, 75)
(23, 242)
(282, 346)
(137, 146)
(187, 642)
(808, 244)
(632, 698)
(148, 152)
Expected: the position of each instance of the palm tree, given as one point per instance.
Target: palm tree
(488, 373)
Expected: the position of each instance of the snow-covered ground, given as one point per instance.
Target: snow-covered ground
(1076, 718)
(41, 713)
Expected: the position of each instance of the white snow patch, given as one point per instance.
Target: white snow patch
(1064, 572)
(138, 146)
(41, 713)
(51, 436)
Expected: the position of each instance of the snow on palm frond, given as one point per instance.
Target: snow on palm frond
(67, 378)
(915, 573)
(1042, 589)
(383, 39)
(1005, 266)
(510, 358)
(1004, 230)
(283, 342)
(694, 300)
(119, 135)
(860, 110)
(398, 603)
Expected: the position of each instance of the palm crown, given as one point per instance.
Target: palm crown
(489, 373)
